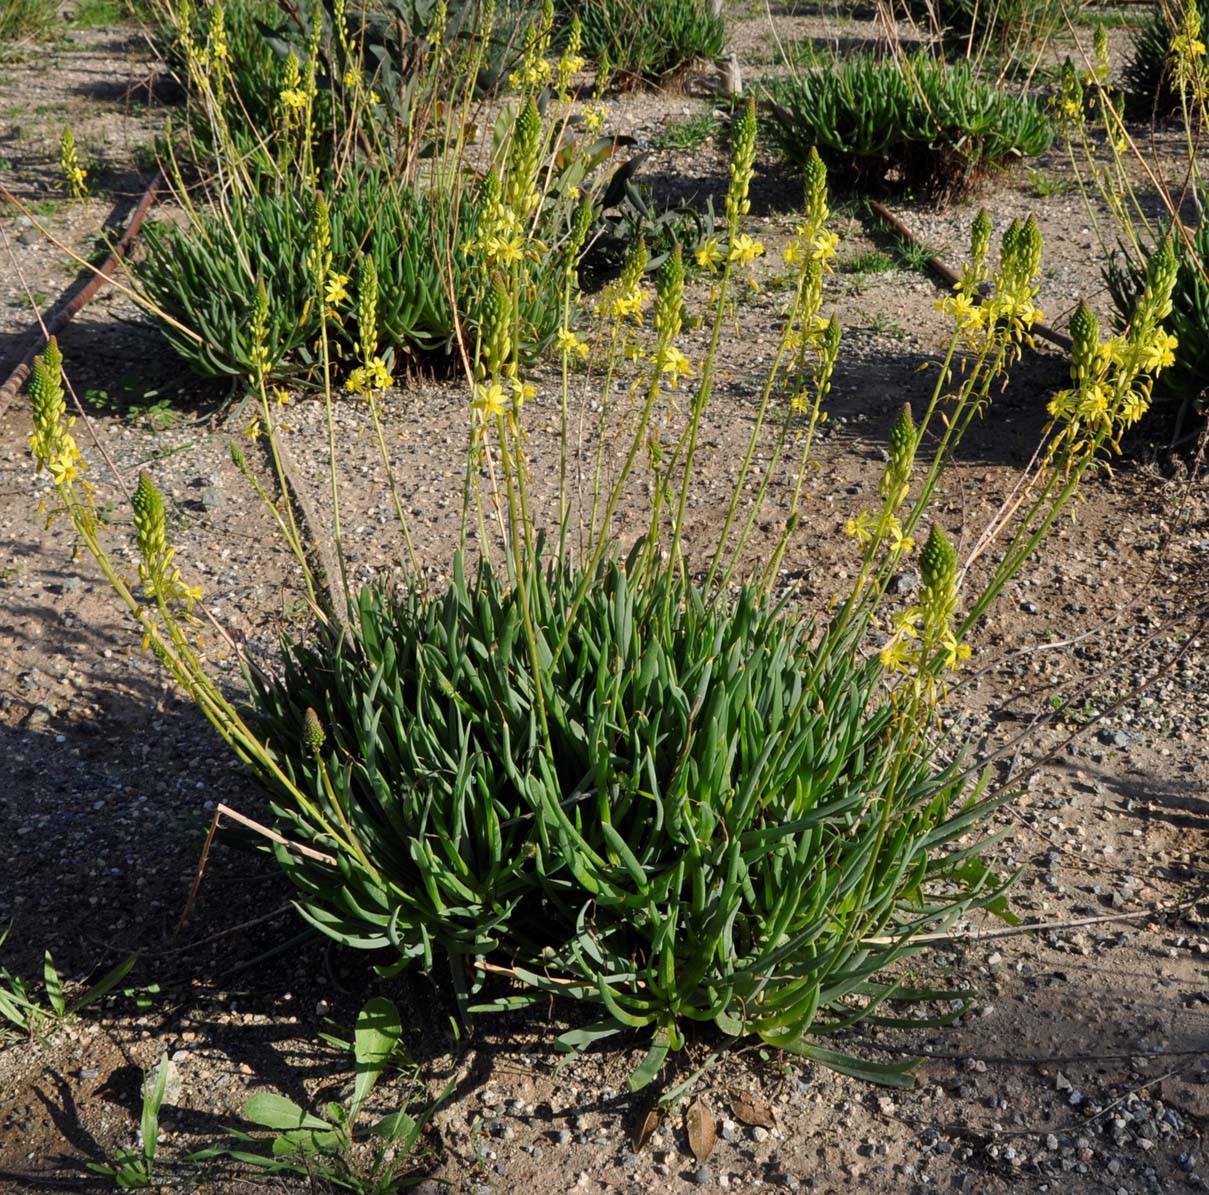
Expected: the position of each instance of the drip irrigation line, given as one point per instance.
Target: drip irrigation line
(951, 279)
(77, 296)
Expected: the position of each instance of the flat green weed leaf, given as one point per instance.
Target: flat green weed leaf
(105, 984)
(54, 986)
(275, 1111)
(374, 1042)
(398, 1126)
(154, 1090)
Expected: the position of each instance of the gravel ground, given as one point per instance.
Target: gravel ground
(1081, 1066)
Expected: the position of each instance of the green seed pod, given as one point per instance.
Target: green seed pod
(938, 563)
(312, 731)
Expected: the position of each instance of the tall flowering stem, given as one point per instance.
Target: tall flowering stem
(738, 205)
(807, 351)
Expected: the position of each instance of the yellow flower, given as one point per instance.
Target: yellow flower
(293, 98)
(708, 254)
(570, 345)
(823, 249)
(898, 541)
(282, 395)
(522, 392)
(674, 364)
(69, 159)
(351, 77)
(373, 375)
(491, 399)
(335, 290)
(954, 652)
(745, 250)
(860, 528)
(627, 304)
(253, 431)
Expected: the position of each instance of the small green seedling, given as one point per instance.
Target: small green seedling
(327, 1147)
(134, 1169)
(26, 1011)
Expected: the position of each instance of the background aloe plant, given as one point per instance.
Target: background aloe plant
(912, 122)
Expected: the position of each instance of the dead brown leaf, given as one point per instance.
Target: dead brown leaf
(751, 1109)
(702, 1131)
(650, 1122)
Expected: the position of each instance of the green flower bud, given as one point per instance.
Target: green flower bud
(1030, 249)
(148, 504)
(495, 328)
(46, 386)
(1155, 301)
(1085, 340)
(634, 268)
(312, 731)
(367, 307)
(669, 296)
(523, 160)
(902, 440)
(816, 187)
(938, 565)
(743, 157)
(980, 238)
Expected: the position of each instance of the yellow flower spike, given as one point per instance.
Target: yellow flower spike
(53, 446)
(571, 61)
(69, 159)
(815, 173)
(291, 95)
